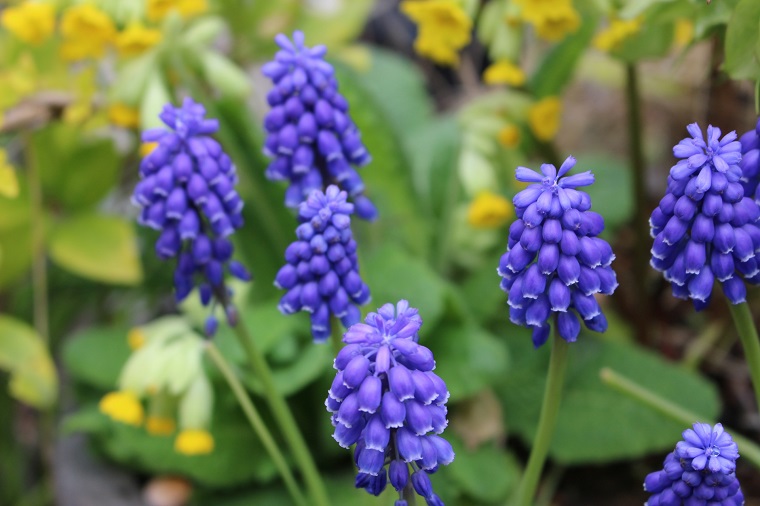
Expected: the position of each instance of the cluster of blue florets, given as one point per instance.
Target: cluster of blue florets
(387, 400)
(750, 163)
(187, 192)
(310, 135)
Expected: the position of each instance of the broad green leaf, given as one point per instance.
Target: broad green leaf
(488, 473)
(102, 248)
(742, 37)
(95, 356)
(223, 74)
(620, 427)
(23, 354)
(308, 365)
(467, 358)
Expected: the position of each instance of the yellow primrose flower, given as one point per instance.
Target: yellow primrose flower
(158, 9)
(504, 72)
(123, 407)
(160, 426)
(443, 28)
(684, 32)
(194, 442)
(509, 136)
(543, 118)
(137, 39)
(31, 22)
(616, 33)
(489, 210)
(136, 338)
(8, 180)
(87, 31)
(552, 19)
(124, 116)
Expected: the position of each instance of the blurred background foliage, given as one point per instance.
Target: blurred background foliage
(79, 80)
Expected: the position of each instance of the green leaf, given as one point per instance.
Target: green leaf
(619, 427)
(15, 235)
(333, 24)
(653, 40)
(24, 355)
(742, 35)
(467, 358)
(487, 474)
(611, 175)
(156, 95)
(102, 248)
(224, 75)
(95, 356)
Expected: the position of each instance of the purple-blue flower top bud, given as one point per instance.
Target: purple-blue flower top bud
(311, 139)
(187, 192)
(701, 470)
(555, 263)
(705, 229)
(321, 274)
(387, 400)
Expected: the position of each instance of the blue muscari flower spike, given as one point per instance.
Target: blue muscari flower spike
(321, 275)
(387, 400)
(700, 472)
(750, 163)
(556, 228)
(705, 228)
(311, 138)
(187, 192)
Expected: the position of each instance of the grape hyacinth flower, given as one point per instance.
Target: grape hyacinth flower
(750, 163)
(187, 192)
(387, 400)
(311, 138)
(557, 229)
(321, 275)
(700, 471)
(705, 228)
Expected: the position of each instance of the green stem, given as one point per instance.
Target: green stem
(546, 422)
(336, 337)
(747, 448)
(257, 423)
(408, 494)
(745, 326)
(284, 417)
(641, 216)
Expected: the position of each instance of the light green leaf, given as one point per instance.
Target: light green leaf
(223, 74)
(155, 96)
(653, 40)
(23, 354)
(333, 24)
(102, 248)
(487, 474)
(15, 235)
(742, 35)
(95, 356)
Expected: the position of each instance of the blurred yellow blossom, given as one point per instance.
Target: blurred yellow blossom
(123, 407)
(147, 148)
(504, 72)
(160, 425)
(684, 32)
(489, 210)
(136, 39)
(124, 116)
(87, 31)
(443, 28)
(194, 442)
(509, 136)
(135, 338)
(8, 180)
(543, 118)
(32, 22)
(552, 19)
(615, 34)
(158, 9)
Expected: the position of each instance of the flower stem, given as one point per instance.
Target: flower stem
(336, 336)
(256, 422)
(747, 448)
(547, 421)
(745, 326)
(408, 494)
(284, 417)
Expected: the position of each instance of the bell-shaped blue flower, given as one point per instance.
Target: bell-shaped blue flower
(555, 263)
(187, 192)
(750, 163)
(311, 138)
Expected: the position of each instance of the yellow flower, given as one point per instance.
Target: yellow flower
(124, 116)
(135, 338)
(552, 19)
(504, 72)
(8, 180)
(147, 148)
(87, 31)
(136, 39)
(31, 22)
(543, 118)
(123, 407)
(684, 32)
(509, 136)
(194, 442)
(158, 9)
(443, 28)
(616, 33)
(160, 426)
(489, 210)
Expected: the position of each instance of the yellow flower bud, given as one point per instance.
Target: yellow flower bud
(194, 442)
(32, 22)
(544, 118)
(135, 338)
(137, 39)
(504, 72)
(122, 407)
(147, 148)
(158, 9)
(489, 210)
(509, 136)
(87, 31)
(124, 116)
(443, 28)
